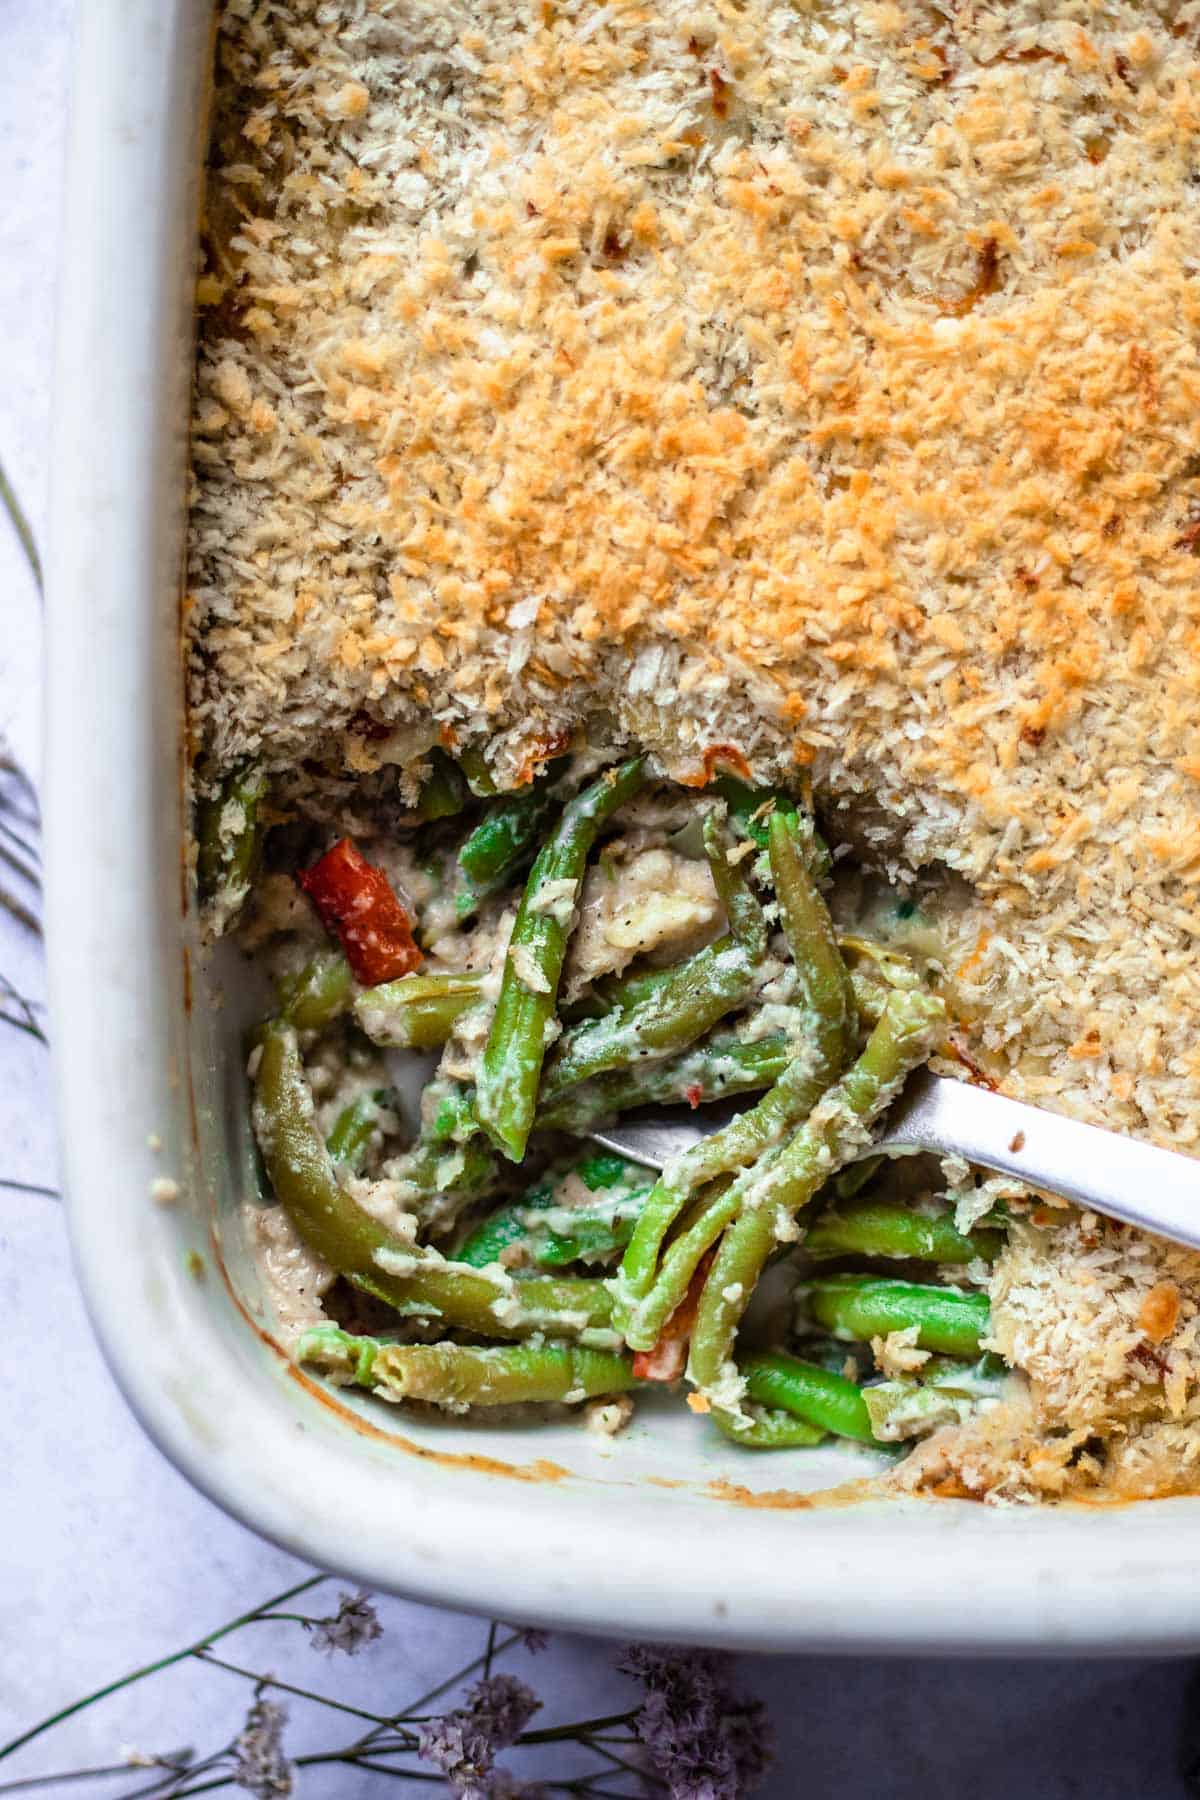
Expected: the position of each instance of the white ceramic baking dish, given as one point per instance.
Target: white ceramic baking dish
(667, 1531)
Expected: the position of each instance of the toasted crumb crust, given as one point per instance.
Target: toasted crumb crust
(1102, 1325)
(822, 382)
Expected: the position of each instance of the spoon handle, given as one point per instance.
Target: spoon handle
(1157, 1190)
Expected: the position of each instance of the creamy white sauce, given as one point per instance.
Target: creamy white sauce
(294, 1277)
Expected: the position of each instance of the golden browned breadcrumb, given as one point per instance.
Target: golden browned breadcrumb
(1102, 1325)
(831, 373)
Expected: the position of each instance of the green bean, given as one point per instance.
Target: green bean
(769, 1428)
(624, 992)
(228, 838)
(867, 1306)
(907, 1408)
(747, 925)
(479, 777)
(751, 810)
(449, 1173)
(809, 931)
(824, 986)
(787, 1177)
(459, 1375)
(699, 992)
(511, 1067)
(421, 1284)
(588, 1241)
(751, 807)
(642, 1321)
(354, 1129)
(443, 791)
(498, 846)
(506, 1227)
(982, 1374)
(619, 993)
(942, 1392)
(418, 1282)
(848, 1181)
(613, 993)
(448, 1155)
(829, 1353)
(888, 1228)
(417, 1012)
(450, 1160)
(319, 994)
(831, 1401)
(875, 971)
(719, 1066)
(582, 1232)
(447, 1112)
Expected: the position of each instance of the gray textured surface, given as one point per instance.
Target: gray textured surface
(107, 1558)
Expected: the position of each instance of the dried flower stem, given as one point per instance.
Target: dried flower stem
(21, 525)
(36, 1781)
(553, 1734)
(163, 1662)
(23, 1022)
(302, 1762)
(15, 860)
(27, 1007)
(22, 1025)
(286, 1687)
(25, 845)
(490, 1651)
(19, 851)
(495, 1696)
(456, 1680)
(17, 910)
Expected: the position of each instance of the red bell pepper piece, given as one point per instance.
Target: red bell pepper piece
(355, 901)
(668, 1359)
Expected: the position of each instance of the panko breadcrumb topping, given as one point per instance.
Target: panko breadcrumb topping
(1102, 1326)
(829, 374)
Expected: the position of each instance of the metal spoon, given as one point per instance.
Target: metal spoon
(1157, 1190)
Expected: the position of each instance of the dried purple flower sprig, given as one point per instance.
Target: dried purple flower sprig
(259, 1763)
(705, 1739)
(463, 1743)
(354, 1625)
(689, 1735)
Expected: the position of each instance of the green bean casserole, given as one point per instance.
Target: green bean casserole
(692, 603)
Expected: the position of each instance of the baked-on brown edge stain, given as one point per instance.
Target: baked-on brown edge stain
(846, 1493)
(730, 1493)
(853, 1493)
(185, 1058)
(540, 1470)
(189, 1083)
